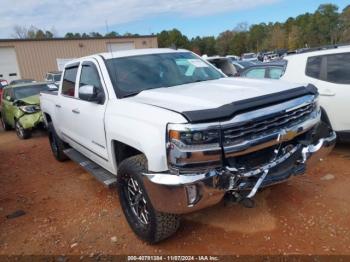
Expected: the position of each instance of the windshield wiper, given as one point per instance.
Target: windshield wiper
(138, 92)
(132, 94)
(199, 80)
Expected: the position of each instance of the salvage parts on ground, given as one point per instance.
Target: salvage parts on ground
(177, 135)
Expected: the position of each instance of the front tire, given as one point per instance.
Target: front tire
(147, 223)
(56, 144)
(21, 132)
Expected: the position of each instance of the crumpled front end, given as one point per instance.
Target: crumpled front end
(239, 156)
(29, 121)
(29, 115)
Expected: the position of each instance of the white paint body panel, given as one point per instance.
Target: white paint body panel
(141, 121)
(334, 98)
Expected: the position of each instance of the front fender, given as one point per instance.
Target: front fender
(142, 127)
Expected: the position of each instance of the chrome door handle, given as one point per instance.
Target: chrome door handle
(76, 111)
(58, 106)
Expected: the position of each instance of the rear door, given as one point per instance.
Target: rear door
(331, 75)
(66, 103)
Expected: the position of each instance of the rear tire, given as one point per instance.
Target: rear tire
(21, 132)
(57, 145)
(5, 126)
(147, 223)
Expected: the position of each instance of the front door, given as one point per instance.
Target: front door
(89, 116)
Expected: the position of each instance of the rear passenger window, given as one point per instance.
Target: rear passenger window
(338, 68)
(313, 67)
(69, 79)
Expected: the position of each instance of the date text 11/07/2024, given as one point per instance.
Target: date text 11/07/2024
(173, 258)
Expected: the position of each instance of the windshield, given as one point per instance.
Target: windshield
(131, 75)
(56, 78)
(21, 81)
(26, 91)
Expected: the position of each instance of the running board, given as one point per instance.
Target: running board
(101, 174)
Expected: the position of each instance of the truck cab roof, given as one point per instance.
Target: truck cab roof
(126, 53)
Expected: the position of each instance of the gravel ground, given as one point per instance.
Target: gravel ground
(66, 211)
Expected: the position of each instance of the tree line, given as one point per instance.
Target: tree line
(327, 25)
(32, 32)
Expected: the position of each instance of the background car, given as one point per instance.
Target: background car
(21, 109)
(241, 65)
(224, 64)
(266, 70)
(54, 77)
(3, 83)
(233, 57)
(22, 81)
(249, 57)
(328, 68)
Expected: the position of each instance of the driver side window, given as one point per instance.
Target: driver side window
(89, 76)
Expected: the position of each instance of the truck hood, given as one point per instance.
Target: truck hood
(222, 98)
(210, 94)
(31, 100)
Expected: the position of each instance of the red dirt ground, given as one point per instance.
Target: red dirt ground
(69, 213)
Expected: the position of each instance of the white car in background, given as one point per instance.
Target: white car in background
(249, 57)
(54, 77)
(233, 57)
(329, 71)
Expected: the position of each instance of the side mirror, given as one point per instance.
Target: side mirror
(91, 93)
(8, 98)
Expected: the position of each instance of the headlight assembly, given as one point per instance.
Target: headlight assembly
(193, 146)
(192, 138)
(30, 109)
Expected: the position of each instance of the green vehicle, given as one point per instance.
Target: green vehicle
(20, 107)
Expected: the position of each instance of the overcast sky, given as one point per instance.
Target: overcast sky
(192, 17)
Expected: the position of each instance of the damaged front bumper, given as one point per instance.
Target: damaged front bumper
(184, 193)
(29, 121)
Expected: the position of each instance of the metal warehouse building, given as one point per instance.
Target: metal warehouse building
(28, 58)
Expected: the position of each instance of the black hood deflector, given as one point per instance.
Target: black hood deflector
(228, 111)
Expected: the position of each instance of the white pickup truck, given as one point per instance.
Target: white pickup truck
(176, 135)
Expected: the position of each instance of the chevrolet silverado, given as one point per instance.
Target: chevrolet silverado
(175, 135)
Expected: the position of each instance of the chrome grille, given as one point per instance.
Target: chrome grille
(259, 127)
